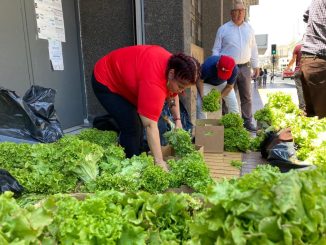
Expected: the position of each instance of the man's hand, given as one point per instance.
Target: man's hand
(255, 73)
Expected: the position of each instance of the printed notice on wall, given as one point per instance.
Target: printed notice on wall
(55, 53)
(49, 19)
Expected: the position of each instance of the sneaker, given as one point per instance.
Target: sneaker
(250, 127)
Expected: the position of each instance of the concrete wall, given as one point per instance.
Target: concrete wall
(105, 26)
(164, 24)
(167, 23)
(211, 20)
(214, 14)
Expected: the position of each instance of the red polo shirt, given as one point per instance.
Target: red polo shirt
(137, 73)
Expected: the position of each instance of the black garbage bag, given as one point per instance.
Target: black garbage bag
(274, 138)
(9, 183)
(278, 148)
(33, 116)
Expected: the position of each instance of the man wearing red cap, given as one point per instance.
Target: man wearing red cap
(220, 72)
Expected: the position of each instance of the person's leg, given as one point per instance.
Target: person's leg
(314, 86)
(245, 92)
(259, 81)
(125, 114)
(230, 100)
(199, 110)
(298, 85)
(307, 97)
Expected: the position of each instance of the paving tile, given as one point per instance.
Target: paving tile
(219, 164)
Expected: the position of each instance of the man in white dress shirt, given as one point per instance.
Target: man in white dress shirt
(236, 38)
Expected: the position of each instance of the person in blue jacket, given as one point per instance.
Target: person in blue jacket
(219, 72)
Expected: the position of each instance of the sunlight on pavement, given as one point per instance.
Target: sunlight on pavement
(263, 92)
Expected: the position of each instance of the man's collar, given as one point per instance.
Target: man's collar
(236, 24)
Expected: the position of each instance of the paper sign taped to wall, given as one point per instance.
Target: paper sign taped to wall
(55, 54)
(49, 19)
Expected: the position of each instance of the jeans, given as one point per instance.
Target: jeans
(313, 80)
(199, 112)
(126, 116)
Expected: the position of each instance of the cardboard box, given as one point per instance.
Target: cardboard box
(210, 134)
(214, 115)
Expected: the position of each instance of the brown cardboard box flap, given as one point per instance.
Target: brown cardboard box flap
(210, 134)
(207, 122)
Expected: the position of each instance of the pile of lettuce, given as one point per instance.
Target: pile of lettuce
(309, 133)
(212, 101)
(108, 217)
(92, 161)
(236, 137)
(265, 207)
(51, 168)
(140, 172)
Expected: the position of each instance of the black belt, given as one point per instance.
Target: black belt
(244, 64)
(312, 56)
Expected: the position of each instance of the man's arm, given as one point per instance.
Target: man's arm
(254, 55)
(218, 43)
(294, 57)
(200, 87)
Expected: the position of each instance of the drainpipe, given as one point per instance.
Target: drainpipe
(140, 28)
(222, 11)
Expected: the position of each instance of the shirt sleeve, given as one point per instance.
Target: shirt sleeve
(218, 42)
(254, 50)
(296, 50)
(204, 71)
(151, 99)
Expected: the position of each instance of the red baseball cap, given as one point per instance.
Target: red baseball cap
(225, 67)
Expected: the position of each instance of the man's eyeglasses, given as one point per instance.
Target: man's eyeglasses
(181, 86)
(238, 10)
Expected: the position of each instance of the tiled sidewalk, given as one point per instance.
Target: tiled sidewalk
(222, 167)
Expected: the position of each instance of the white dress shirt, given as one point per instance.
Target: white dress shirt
(238, 42)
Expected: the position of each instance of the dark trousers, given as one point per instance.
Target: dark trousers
(126, 116)
(313, 80)
(243, 86)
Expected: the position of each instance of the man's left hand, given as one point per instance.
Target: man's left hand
(256, 73)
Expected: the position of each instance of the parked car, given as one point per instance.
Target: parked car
(288, 74)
